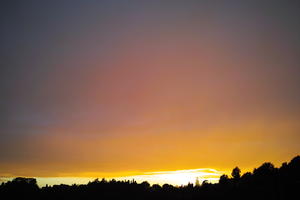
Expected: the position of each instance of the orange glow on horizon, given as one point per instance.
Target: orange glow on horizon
(176, 178)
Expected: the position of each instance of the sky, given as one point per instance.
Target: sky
(127, 88)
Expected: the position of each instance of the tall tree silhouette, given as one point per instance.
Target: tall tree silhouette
(236, 173)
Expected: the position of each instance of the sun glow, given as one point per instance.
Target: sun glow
(176, 178)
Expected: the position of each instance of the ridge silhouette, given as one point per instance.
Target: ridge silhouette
(265, 182)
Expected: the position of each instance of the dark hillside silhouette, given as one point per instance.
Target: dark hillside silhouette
(265, 182)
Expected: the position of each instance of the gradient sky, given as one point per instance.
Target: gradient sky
(109, 88)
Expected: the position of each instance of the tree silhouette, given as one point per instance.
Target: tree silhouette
(223, 179)
(236, 173)
(265, 182)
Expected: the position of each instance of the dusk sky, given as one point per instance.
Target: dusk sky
(118, 88)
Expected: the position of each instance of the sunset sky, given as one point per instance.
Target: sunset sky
(128, 88)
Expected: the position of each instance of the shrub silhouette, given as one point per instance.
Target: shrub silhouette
(224, 179)
(265, 182)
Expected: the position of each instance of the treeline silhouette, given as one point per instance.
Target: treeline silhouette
(265, 182)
